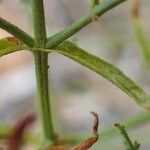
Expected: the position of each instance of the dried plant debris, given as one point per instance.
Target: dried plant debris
(14, 40)
(95, 18)
(135, 9)
(87, 144)
(91, 141)
(16, 138)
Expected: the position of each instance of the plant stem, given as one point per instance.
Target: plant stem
(41, 66)
(43, 93)
(17, 32)
(130, 144)
(98, 10)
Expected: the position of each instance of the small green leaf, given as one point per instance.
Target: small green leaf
(106, 70)
(10, 45)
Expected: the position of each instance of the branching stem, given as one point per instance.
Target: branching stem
(82, 22)
(131, 145)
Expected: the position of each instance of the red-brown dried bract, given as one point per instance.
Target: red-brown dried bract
(95, 18)
(86, 144)
(135, 9)
(15, 139)
(14, 40)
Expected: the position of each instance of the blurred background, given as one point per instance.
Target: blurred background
(76, 90)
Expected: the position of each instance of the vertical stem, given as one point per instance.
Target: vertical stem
(41, 67)
(43, 94)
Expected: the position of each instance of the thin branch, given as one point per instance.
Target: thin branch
(16, 32)
(82, 22)
(39, 23)
(131, 145)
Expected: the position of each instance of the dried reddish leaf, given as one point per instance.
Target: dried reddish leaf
(86, 144)
(15, 139)
(136, 8)
(91, 141)
(95, 18)
(14, 40)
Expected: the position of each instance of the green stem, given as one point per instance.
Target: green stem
(82, 22)
(17, 32)
(41, 66)
(39, 23)
(123, 131)
(43, 93)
